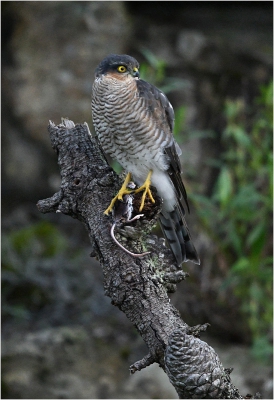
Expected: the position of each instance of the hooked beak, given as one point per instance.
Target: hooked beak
(136, 73)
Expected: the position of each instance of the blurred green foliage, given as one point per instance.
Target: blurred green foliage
(23, 251)
(40, 240)
(153, 70)
(238, 215)
(29, 257)
(48, 278)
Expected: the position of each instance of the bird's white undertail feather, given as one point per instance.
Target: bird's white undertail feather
(161, 181)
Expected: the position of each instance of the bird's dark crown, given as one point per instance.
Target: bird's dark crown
(111, 62)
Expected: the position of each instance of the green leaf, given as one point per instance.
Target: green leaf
(256, 293)
(42, 238)
(262, 349)
(224, 187)
(180, 114)
(241, 265)
(233, 108)
(235, 239)
(241, 137)
(257, 238)
(173, 84)
(151, 58)
(116, 166)
(202, 134)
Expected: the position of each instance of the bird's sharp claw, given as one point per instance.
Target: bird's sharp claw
(144, 197)
(146, 189)
(110, 207)
(120, 194)
(124, 190)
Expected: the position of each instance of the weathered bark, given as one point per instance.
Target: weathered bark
(138, 286)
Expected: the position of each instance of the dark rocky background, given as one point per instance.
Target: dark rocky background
(61, 338)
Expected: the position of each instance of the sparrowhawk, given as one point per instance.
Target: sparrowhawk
(134, 122)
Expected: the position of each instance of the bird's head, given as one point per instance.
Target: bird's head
(119, 66)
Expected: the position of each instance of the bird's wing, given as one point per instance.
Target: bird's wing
(159, 107)
(162, 111)
(174, 172)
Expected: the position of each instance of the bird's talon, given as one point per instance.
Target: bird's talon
(144, 197)
(109, 209)
(150, 196)
(119, 195)
(122, 193)
(147, 190)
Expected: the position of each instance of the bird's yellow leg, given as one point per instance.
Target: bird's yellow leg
(145, 188)
(120, 194)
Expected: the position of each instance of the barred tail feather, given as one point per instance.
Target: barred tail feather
(177, 234)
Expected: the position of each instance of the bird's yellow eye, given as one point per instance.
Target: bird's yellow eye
(121, 68)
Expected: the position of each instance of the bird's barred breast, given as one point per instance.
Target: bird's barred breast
(125, 126)
(128, 133)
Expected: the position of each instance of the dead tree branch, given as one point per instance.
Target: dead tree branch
(138, 286)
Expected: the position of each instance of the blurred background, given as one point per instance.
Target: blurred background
(61, 337)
